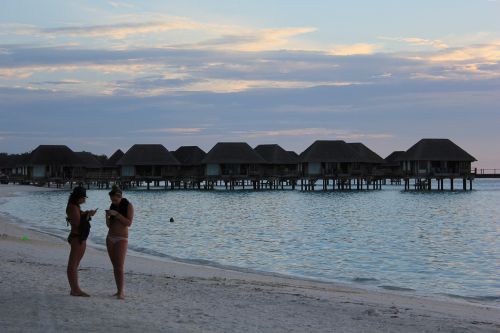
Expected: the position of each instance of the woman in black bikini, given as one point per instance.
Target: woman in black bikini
(119, 218)
(80, 228)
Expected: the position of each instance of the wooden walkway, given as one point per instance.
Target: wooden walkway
(487, 173)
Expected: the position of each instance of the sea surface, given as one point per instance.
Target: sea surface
(426, 243)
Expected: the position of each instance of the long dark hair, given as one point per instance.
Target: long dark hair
(73, 199)
(78, 193)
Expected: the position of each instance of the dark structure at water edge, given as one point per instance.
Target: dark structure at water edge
(325, 164)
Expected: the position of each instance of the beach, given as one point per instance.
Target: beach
(165, 295)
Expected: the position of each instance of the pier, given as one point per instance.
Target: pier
(486, 173)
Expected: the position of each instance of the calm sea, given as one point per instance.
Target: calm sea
(439, 243)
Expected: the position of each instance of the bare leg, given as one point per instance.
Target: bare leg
(111, 252)
(119, 251)
(75, 256)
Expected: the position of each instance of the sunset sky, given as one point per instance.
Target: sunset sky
(102, 75)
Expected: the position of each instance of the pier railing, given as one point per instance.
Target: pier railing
(486, 173)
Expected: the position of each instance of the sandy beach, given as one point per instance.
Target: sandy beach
(163, 295)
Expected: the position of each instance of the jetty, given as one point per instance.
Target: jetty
(326, 165)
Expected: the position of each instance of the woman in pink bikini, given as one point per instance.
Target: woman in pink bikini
(119, 218)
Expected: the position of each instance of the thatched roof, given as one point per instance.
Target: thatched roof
(436, 150)
(53, 155)
(274, 154)
(88, 160)
(394, 158)
(232, 153)
(5, 160)
(113, 159)
(189, 155)
(331, 151)
(366, 154)
(148, 154)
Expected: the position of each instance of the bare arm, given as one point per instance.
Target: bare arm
(73, 215)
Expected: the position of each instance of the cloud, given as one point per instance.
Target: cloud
(435, 43)
(118, 4)
(354, 49)
(253, 40)
(478, 53)
(314, 132)
(123, 30)
(175, 130)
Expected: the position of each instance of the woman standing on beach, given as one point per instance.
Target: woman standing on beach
(80, 228)
(119, 218)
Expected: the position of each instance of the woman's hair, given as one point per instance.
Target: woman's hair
(73, 199)
(78, 193)
(115, 191)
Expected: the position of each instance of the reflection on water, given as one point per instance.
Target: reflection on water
(433, 243)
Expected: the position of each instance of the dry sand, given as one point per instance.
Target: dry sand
(178, 297)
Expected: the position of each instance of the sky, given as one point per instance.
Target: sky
(103, 75)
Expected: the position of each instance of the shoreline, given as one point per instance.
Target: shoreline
(197, 297)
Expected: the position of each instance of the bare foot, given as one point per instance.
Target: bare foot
(79, 294)
(120, 296)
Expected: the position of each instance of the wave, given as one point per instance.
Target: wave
(395, 288)
(480, 298)
(364, 280)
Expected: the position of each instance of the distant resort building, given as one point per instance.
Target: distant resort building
(14, 166)
(192, 170)
(339, 165)
(190, 159)
(393, 163)
(328, 159)
(278, 161)
(392, 168)
(232, 159)
(368, 161)
(436, 159)
(110, 168)
(149, 162)
(56, 162)
(89, 166)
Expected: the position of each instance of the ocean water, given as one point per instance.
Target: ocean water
(438, 243)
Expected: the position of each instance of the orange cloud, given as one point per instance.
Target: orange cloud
(354, 49)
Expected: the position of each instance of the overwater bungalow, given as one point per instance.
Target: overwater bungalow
(13, 167)
(90, 167)
(148, 162)
(56, 163)
(232, 161)
(110, 168)
(327, 159)
(392, 167)
(190, 158)
(279, 164)
(436, 159)
(367, 162)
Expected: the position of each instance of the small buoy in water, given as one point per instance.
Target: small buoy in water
(25, 238)
(171, 220)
